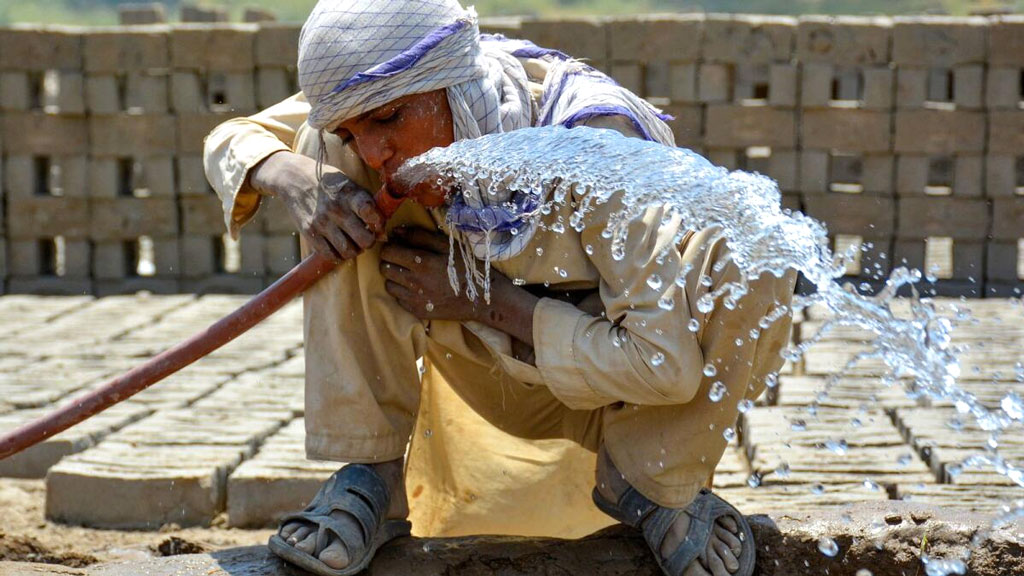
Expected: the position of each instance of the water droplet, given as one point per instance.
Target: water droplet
(771, 380)
(904, 460)
(729, 434)
(705, 304)
(428, 433)
(589, 249)
(828, 546)
(429, 306)
(540, 251)
(717, 391)
(657, 359)
(557, 228)
(837, 447)
(706, 281)
(709, 370)
(654, 281)
(1013, 406)
(783, 470)
(754, 480)
(817, 489)
(693, 325)
(797, 425)
(418, 260)
(667, 303)
(954, 470)
(871, 485)
(738, 342)
(940, 567)
(745, 406)
(864, 572)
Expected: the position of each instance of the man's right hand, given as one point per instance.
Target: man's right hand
(337, 217)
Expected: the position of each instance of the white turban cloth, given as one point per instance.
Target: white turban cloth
(358, 55)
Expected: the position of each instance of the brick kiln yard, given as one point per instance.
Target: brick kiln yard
(220, 444)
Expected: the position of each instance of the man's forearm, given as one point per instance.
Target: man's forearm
(511, 311)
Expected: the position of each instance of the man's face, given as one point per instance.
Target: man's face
(386, 137)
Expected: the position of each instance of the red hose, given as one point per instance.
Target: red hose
(296, 281)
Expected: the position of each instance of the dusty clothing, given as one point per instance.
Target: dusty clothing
(631, 378)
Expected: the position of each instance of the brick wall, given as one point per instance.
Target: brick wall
(905, 135)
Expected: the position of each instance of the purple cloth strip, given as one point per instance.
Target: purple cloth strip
(500, 218)
(606, 110)
(406, 59)
(528, 49)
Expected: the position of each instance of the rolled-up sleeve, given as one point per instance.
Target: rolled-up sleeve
(234, 147)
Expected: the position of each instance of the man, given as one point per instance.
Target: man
(576, 349)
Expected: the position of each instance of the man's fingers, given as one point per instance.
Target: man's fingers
(397, 274)
(361, 205)
(342, 245)
(404, 256)
(355, 229)
(322, 246)
(420, 238)
(399, 292)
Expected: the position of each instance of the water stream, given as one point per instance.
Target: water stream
(555, 165)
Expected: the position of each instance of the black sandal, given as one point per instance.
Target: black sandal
(356, 490)
(635, 509)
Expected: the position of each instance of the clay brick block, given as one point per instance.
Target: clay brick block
(878, 174)
(281, 253)
(864, 215)
(968, 86)
(147, 93)
(878, 88)
(939, 41)
(968, 176)
(783, 168)
(816, 85)
(814, 170)
(111, 261)
(783, 85)
(273, 85)
(158, 176)
(848, 130)
(130, 218)
(202, 216)
(1008, 218)
(198, 256)
(45, 134)
(20, 176)
(1006, 41)
(731, 126)
(939, 131)
(104, 178)
(715, 83)
(209, 15)
(141, 14)
(844, 40)
(26, 258)
(192, 177)
(1001, 176)
(912, 174)
(193, 128)
(229, 48)
(277, 45)
(1002, 90)
(103, 95)
(275, 219)
(1001, 264)
(749, 39)
(687, 124)
(646, 38)
(3, 263)
(630, 76)
(959, 218)
(15, 91)
(187, 94)
(48, 217)
(585, 38)
(31, 47)
(683, 82)
(116, 50)
(240, 90)
(258, 15)
(911, 87)
(657, 79)
(1006, 132)
(71, 93)
(125, 135)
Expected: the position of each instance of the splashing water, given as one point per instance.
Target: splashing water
(591, 167)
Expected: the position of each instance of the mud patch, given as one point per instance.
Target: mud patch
(175, 546)
(27, 549)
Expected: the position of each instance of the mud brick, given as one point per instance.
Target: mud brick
(31, 47)
(282, 253)
(273, 85)
(202, 215)
(229, 48)
(45, 134)
(939, 41)
(3, 263)
(50, 286)
(585, 38)
(193, 128)
(630, 76)
(1006, 41)
(850, 130)
(134, 135)
(198, 256)
(1003, 88)
(782, 167)
(922, 217)
(1006, 132)
(277, 45)
(15, 91)
(782, 91)
(868, 216)
(749, 39)
(195, 13)
(141, 14)
(912, 174)
(258, 15)
(731, 126)
(104, 178)
(968, 176)
(814, 171)
(71, 93)
(240, 91)
(877, 88)
(715, 83)
(103, 94)
(275, 218)
(1003, 261)
(147, 93)
(192, 177)
(47, 217)
(657, 83)
(129, 218)
(911, 87)
(1008, 218)
(683, 82)
(510, 26)
(20, 176)
(843, 40)
(687, 124)
(939, 131)
(117, 51)
(27, 259)
(816, 85)
(649, 38)
(1001, 176)
(187, 93)
(968, 86)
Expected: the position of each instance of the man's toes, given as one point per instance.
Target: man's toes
(715, 563)
(335, 555)
(722, 550)
(289, 529)
(307, 544)
(695, 569)
(300, 534)
(675, 536)
(730, 539)
(729, 523)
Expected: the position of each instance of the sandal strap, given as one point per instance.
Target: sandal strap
(355, 546)
(631, 509)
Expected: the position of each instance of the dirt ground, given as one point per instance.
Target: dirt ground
(26, 535)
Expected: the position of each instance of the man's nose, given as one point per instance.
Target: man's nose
(377, 152)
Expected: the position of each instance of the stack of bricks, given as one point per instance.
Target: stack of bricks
(134, 225)
(1005, 160)
(939, 141)
(846, 159)
(46, 148)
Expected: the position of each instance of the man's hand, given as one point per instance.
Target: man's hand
(338, 218)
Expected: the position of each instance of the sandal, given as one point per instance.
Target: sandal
(359, 491)
(636, 510)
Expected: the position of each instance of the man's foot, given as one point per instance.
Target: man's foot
(303, 535)
(721, 557)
